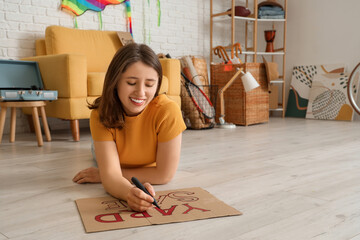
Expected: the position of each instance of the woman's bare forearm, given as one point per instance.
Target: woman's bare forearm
(167, 160)
(152, 175)
(118, 186)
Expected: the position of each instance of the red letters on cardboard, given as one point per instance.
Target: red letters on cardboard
(117, 217)
(164, 212)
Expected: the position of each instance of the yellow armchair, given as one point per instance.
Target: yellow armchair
(74, 63)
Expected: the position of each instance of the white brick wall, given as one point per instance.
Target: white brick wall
(184, 30)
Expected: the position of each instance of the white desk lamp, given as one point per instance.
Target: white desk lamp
(249, 83)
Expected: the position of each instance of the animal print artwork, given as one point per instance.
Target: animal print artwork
(305, 74)
(301, 83)
(321, 109)
(328, 98)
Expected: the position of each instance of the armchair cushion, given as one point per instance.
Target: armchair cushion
(98, 47)
(164, 85)
(58, 73)
(171, 69)
(95, 82)
(40, 48)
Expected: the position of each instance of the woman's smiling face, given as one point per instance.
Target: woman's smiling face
(137, 87)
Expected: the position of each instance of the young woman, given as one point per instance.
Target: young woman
(136, 132)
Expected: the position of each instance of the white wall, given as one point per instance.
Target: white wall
(181, 30)
(323, 31)
(318, 31)
(184, 25)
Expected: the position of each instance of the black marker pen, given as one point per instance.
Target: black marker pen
(140, 186)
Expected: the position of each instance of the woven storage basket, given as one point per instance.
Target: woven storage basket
(242, 108)
(193, 118)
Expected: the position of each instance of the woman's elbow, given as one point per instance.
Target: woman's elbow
(165, 181)
(165, 178)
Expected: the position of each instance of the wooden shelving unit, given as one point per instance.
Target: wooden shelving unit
(250, 53)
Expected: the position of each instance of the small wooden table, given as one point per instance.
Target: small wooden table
(35, 115)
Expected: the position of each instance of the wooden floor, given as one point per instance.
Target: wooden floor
(291, 178)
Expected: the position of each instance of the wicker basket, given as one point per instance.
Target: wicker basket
(242, 108)
(193, 118)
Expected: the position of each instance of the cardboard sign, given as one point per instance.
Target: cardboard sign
(107, 213)
(125, 38)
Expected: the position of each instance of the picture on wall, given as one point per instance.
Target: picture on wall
(301, 82)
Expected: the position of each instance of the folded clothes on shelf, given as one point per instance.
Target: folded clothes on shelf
(272, 17)
(270, 7)
(271, 12)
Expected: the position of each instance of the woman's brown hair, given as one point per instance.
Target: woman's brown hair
(111, 111)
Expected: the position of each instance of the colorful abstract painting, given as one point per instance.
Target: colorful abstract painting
(78, 7)
(301, 82)
(328, 99)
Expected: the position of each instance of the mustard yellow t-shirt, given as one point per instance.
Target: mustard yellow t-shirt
(136, 143)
